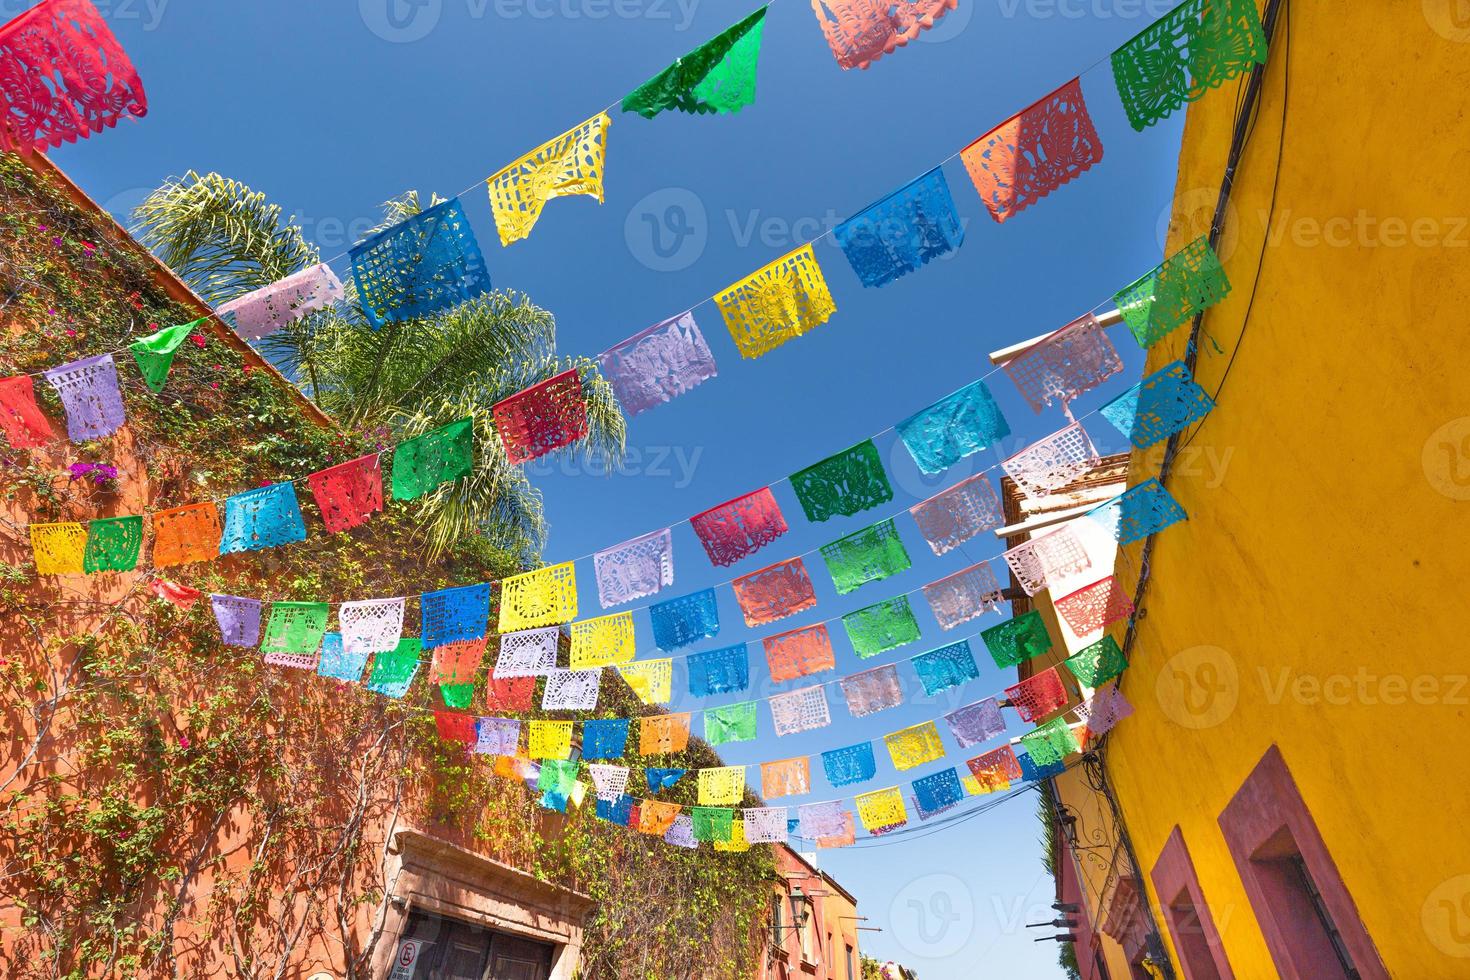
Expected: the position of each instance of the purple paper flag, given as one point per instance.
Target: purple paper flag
(976, 723)
(658, 364)
(89, 392)
(634, 569)
(238, 618)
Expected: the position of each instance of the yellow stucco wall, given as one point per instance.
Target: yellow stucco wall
(1317, 596)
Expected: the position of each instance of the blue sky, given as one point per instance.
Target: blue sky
(331, 108)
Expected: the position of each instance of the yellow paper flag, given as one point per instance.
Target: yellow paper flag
(550, 740)
(545, 597)
(783, 300)
(568, 165)
(881, 808)
(721, 787)
(651, 680)
(603, 641)
(914, 746)
(59, 548)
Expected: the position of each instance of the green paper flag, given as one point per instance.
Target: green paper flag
(712, 823)
(113, 544)
(457, 695)
(557, 776)
(730, 723)
(155, 353)
(1017, 640)
(1187, 282)
(881, 626)
(396, 666)
(845, 484)
(718, 76)
(423, 463)
(295, 627)
(1098, 663)
(868, 555)
(1050, 743)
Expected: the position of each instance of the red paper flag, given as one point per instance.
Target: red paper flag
(455, 726)
(20, 417)
(544, 417)
(509, 693)
(348, 493)
(739, 527)
(1038, 696)
(996, 769)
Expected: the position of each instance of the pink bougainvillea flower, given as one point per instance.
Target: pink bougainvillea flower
(198, 340)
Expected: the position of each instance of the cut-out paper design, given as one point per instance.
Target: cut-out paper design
(860, 32)
(239, 621)
(59, 549)
(603, 641)
(1104, 710)
(1160, 405)
(266, 517)
(298, 661)
(154, 354)
(1195, 47)
(1017, 640)
(1051, 463)
(685, 620)
(529, 653)
(1043, 560)
(1031, 772)
(716, 77)
(662, 734)
(1036, 151)
(509, 693)
(295, 628)
(737, 843)
(976, 723)
(89, 393)
(635, 569)
(550, 740)
(423, 265)
(776, 303)
(263, 311)
(348, 493)
(722, 786)
(497, 736)
(656, 817)
(661, 779)
(556, 779)
(658, 364)
(845, 484)
(335, 661)
(545, 597)
(608, 781)
(457, 695)
(1038, 695)
(845, 838)
(850, 764)
(947, 667)
(571, 690)
(1051, 743)
(899, 234)
(938, 792)
(722, 671)
(544, 417)
(422, 464)
(712, 824)
(872, 691)
(764, 824)
(954, 427)
(1185, 284)
(1096, 606)
(186, 534)
(1143, 510)
(21, 418)
(452, 615)
(180, 595)
(568, 165)
(113, 544)
(882, 626)
(963, 596)
(651, 680)
(739, 527)
(393, 672)
(950, 518)
(66, 77)
(786, 777)
(818, 820)
(881, 809)
(914, 746)
(681, 832)
(996, 769)
(799, 652)
(774, 592)
(456, 663)
(1099, 663)
(1072, 361)
(800, 711)
(605, 738)
(455, 726)
(371, 625)
(869, 555)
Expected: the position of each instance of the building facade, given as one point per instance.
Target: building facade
(812, 925)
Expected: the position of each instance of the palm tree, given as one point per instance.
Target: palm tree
(225, 239)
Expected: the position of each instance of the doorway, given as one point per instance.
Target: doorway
(457, 950)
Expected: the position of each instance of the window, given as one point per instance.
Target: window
(1309, 920)
(776, 905)
(1187, 915)
(851, 965)
(456, 950)
(806, 931)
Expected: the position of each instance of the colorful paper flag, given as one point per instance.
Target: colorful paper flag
(348, 493)
(776, 303)
(721, 786)
(266, 517)
(186, 534)
(1053, 462)
(21, 418)
(371, 625)
(871, 691)
(604, 738)
(850, 764)
(571, 690)
(295, 628)
(59, 549)
(1103, 710)
(154, 353)
(454, 615)
(509, 693)
(603, 641)
(722, 671)
(424, 463)
(817, 820)
(799, 652)
(1165, 402)
(1140, 511)
(1050, 743)
(716, 77)
(739, 527)
(335, 661)
(545, 417)
(1038, 695)
(1095, 607)
(901, 233)
(954, 427)
(663, 734)
(456, 726)
(497, 736)
(393, 672)
(1072, 361)
(869, 555)
(545, 597)
(658, 364)
(89, 393)
(550, 740)
(1039, 562)
(774, 592)
(651, 680)
(882, 626)
(848, 483)
(882, 809)
(685, 620)
(976, 723)
(635, 569)
(1017, 640)
(113, 544)
(963, 596)
(947, 667)
(937, 792)
(610, 782)
(862, 31)
(1098, 663)
(764, 824)
(1187, 283)
(570, 164)
(914, 746)
(238, 619)
(950, 518)
(528, 653)
(456, 663)
(801, 710)
(423, 265)
(263, 311)
(996, 769)
(786, 777)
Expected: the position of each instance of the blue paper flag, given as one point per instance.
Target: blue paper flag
(552, 800)
(604, 738)
(685, 620)
(662, 778)
(903, 231)
(953, 428)
(1141, 511)
(266, 517)
(1031, 772)
(1158, 406)
(938, 792)
(454, 615)
(851, 764)
(428, 263)
(337, 663)
(949, 666)
(721, 671)
(616, 811)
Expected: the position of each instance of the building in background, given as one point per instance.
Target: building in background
(813, 923)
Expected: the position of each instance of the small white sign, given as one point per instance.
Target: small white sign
(407, 960)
